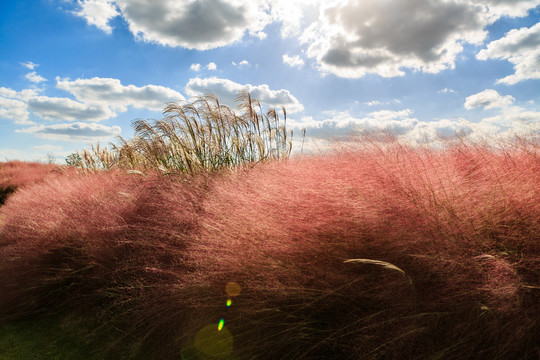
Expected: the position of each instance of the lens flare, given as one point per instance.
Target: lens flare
(229, 302)
(233, 289)
(214, 343)
(221, 324)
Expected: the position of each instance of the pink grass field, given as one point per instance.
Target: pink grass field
(450, 241)
(17, 174)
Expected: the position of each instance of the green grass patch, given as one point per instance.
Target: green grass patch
(57, 338)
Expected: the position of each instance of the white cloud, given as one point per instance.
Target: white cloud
(97, 99)
(226, 90)
(195, 67)
(378, 102)
(98, 13)
(23, 95)
(348, 38)
(510, 8)
(434, 131)
(201, 24)
(74, 132)
(29, 65)
(241, 63)
(54, 108)
(13, 105)
(34, 77)
(107, 92)
(521, 47)
(293, 61)
(357, 37)
(211, 66)
(342, 124)
(373, 103)
(447, 91)
(15, 110)
(294, 15)
(344, 127)
(511, 121)
(488, 99)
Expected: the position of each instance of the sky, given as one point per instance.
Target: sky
(77, 72)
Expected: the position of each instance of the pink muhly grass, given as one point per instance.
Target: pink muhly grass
(151, 256)
(18, 174)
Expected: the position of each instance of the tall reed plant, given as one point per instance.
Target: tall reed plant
(197, 136)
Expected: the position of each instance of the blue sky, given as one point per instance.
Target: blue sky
(77, 72)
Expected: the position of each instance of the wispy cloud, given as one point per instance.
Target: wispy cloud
(446, 91)
(47, 147)
(74, 132)
(241, 63)
(29, 65)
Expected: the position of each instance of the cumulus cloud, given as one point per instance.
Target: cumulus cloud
(74, 132)
(23, 95)
(98, 13)
(97, 99)
(343, 127)
(226, 91)
(201, 24)
(342, 124)
(293, 61)
(34, 77)
(107, 92)
(348, 38)
(294, 15)
(510, 8)
(211, 66)
(195, 67)
(15, 110)
(511, 121)
(357, 37)
(13, 105)
(55, 108)
(488, 99)
(521, 47)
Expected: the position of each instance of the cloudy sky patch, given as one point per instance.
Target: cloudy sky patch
(419, 69)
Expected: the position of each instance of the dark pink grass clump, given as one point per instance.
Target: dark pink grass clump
(444, 243)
